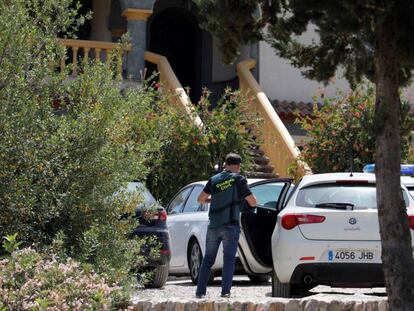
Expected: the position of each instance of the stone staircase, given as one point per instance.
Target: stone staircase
(261, 167)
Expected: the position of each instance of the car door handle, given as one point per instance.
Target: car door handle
(186, 224)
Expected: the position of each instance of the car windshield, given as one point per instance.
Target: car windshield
(337, 196)
(137, 186)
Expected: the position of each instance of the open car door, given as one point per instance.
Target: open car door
(257, 227)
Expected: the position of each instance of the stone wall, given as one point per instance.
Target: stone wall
(277, 304)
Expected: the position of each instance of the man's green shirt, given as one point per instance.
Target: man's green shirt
(227, 191)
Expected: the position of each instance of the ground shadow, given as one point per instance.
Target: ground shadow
(217, 283)
(185, 282)
(240, 283)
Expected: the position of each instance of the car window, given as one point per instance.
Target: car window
(411, 191)
(192, 205)
(291, 192)
(267, 195)
(360, 196)
(178, 202)
(147, 196)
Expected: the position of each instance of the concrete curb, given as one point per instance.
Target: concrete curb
(276, 304)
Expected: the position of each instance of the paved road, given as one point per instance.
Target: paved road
(182, 289)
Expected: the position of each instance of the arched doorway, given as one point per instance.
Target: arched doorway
(174, 33)
(83, 32)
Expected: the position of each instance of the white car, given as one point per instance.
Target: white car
(328, 233)
(408, 181)
(188, 220)
(407, 175)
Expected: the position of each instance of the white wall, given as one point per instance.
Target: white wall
(100, 31)
(280, 80)
(222, 72)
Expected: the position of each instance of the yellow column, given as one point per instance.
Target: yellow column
(137, 14)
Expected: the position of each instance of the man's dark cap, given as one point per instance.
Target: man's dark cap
(233, 159)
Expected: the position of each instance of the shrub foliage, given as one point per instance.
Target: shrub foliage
(66, 146)
(66, 149)
(342, 131)
(190, 153)
(30, 281)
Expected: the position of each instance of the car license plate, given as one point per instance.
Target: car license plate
(354, 255)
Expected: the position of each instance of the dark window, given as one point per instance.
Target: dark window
(178, 202)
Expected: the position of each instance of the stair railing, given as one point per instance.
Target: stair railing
(277, 143)
(170, 81)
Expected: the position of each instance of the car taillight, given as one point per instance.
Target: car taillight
(411, 221)
(160, 215)
(290, 221)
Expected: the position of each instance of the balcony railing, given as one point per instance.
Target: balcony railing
(100, 50)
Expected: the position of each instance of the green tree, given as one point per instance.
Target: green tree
(367, 38)
(66, 146)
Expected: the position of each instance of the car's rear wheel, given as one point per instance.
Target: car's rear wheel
(279, 289)
(195, 258)
(159, 277)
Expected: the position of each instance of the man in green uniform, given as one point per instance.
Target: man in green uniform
(227, 190)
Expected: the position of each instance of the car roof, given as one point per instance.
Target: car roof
(249, 181)
(333, 177)
(327, 178)
(407, 180)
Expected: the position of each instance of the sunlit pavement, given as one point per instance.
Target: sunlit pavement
(183, 289)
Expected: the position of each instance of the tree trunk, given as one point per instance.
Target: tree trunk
(397, 253)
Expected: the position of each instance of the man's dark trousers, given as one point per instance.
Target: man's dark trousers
(229, 235)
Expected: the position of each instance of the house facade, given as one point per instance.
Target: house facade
(170, 28)
(165, 36)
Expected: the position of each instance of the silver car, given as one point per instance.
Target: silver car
(188, 220)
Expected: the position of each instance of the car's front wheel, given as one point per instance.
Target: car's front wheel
(279, 289)
(195, 258)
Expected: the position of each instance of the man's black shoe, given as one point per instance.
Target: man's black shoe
(200, 296)
(225, 295)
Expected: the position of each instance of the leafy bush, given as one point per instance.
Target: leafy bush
(67, 146)
(342, 129)
(190, 153)
(30, 281)
(11, 243)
